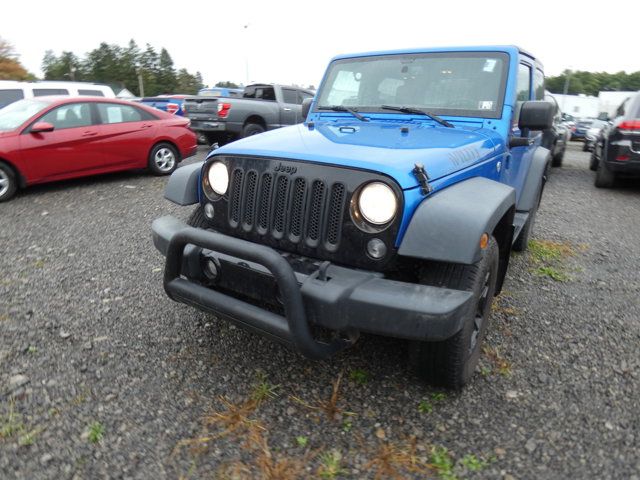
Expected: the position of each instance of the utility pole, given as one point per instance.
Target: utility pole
(140, 82)
(246, 54)
(565, 91)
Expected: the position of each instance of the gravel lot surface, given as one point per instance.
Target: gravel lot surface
(102, 376)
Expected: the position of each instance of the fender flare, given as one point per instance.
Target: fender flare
(534, 182)
(447, 225)
(183, 185)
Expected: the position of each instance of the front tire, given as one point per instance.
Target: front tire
(163, 159)
(556, 161)
(451, 363)
(8, 182)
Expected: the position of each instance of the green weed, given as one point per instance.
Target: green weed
(96, 432)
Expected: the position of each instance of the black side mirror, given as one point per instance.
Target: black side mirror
(306, 106)
(536, 115)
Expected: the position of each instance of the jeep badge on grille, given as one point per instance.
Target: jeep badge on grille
(285, 169)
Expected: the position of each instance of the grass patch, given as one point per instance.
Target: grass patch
(11, 423)
(499, 364)
(426, 406)
(263, 390)
(359, 376)
(473, 463)
(548, 258)
(399, 460)
(302, 441)
(442, 462)
(95, 432)
(331, 465)
(552, 273)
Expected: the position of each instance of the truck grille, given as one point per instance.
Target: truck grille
(283, 207)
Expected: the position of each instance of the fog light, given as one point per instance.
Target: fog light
(211, 269)
(376, 248)
(208, 210)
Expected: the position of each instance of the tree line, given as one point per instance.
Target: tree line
(10, 66)
(123, 67)
(591, 83)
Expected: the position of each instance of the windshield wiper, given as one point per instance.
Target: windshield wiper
(436, 118)
(342, 108)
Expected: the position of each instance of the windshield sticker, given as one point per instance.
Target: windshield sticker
(490, 65)
(485, 105)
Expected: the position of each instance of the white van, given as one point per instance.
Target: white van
(11, 91)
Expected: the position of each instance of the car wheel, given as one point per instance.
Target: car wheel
(593, 160)
(451, 363)
(252, 129)
(556, 161)
(585, 147)
(163, 159)
(8, 182)
(605, 178)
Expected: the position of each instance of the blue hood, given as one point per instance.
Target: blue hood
(380, 146)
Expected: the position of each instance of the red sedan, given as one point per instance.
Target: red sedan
(55, 138)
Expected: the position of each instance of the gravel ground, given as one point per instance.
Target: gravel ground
(102, 376)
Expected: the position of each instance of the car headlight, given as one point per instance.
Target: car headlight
(377, 203)
(218, 178)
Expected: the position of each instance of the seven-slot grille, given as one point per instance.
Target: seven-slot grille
(288, 207)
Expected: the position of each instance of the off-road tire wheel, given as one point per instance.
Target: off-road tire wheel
(451, 363)
(584, 147)
(8, 182)
(252, 129)
(163, 159)
(605, 178)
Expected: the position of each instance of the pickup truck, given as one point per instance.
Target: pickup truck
(392, 210)
(262, 107)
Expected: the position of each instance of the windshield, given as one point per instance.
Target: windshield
(14, 115)
(467, 84)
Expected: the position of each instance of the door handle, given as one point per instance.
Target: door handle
(146, 125)
(286, 109)
(89, 134)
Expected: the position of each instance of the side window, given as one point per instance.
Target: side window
(538, 84)
(523, 89)
(266, 93)
(303, 96)
(249, 92)
(116, 113)
(289, 96)
(91, 93)
(10, 96)
(69, 116)
(42, 92)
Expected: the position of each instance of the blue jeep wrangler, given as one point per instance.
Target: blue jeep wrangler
(392, 210)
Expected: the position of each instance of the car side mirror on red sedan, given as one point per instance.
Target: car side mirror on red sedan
(41, 127)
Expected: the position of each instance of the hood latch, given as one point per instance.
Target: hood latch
(423, 179)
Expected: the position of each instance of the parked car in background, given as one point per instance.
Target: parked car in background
(579, 130)
(220, 92)
(592, 134)
(56, 138)
(11, 91)
(167, 103)
(555, 138)
(616, 153)
(262, 107)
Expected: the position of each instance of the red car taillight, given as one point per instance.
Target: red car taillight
(223, 109)
(172, 108)
(629, 125)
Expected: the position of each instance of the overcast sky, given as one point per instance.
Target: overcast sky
(292, 41)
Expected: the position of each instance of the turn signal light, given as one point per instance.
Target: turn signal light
(223, 109)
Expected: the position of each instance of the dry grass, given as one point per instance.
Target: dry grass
(500, 365)
(330, 406)
(397, 461)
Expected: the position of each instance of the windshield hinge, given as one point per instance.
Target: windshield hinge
(423, 179)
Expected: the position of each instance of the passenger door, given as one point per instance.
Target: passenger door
(126, 134)
(69, 149)
(517, 161)
(291, 107)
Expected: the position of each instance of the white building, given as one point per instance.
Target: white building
(610, 101)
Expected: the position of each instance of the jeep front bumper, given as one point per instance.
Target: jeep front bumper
(337, 298)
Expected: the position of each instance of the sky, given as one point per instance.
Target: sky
(291, 42)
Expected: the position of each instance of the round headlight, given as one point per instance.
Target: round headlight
(218, 177)
(377, 203)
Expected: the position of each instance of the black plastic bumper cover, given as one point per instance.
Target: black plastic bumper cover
(344, 299)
